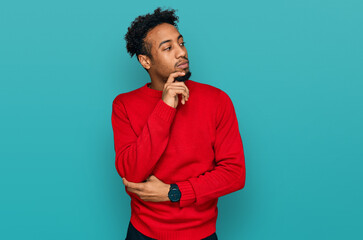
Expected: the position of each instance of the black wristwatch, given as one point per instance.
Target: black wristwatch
(174, 193)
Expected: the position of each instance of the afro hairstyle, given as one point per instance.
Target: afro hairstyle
(139, 28)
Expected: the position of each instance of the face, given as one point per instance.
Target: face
(168, 52)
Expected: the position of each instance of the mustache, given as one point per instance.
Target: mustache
(182, 61)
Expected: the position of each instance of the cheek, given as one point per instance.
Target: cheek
(166, 64)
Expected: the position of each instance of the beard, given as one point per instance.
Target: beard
(183, 78)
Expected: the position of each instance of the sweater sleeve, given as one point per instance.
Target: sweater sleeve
(136, 156)
(229, 173)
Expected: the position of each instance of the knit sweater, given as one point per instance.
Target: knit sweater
(196, 145)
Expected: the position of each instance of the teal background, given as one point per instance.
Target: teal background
(293, 70)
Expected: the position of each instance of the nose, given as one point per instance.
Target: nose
(181, 51)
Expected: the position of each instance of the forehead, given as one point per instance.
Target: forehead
(162, 32)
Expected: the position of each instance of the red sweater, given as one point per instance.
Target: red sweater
(197, 146)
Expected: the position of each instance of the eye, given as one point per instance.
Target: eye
(183, 43)
(168, 48)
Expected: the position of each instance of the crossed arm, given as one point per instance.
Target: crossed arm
(131, 151)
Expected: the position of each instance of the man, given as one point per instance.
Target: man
(177, 141)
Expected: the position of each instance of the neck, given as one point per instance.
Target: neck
(157, 83)
(156, 86)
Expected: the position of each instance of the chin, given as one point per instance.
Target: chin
(184, 78)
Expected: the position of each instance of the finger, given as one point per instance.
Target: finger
(142, 195)
(180, 84)
(177, 89)
(180, 91)
(174, 75)
(138, 186)
(133, 190)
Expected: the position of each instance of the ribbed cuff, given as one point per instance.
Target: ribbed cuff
(187, 193)
(164, 111)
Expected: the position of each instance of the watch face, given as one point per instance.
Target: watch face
(174, 194)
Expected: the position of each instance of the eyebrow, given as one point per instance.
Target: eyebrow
(180, 36)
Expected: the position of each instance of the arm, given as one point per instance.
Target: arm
(229, 173)
(136, 156)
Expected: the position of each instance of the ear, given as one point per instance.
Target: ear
(145, 61)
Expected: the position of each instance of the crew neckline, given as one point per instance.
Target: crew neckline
(156, 93)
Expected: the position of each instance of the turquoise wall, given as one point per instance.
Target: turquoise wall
(293, 70)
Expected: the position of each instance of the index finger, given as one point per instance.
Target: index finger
(174, 75)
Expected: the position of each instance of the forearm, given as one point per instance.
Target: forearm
(136, 156)
(222, 180)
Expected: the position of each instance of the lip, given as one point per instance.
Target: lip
(183, 65)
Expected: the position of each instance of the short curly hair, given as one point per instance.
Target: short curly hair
(139, 28)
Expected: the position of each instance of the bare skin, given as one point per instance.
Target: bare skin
(173, 88)
(168, 52)
(152, 190)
